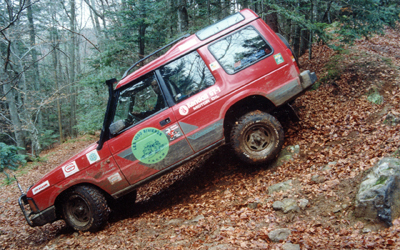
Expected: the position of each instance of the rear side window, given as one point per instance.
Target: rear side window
(186, 76)
(240, 50)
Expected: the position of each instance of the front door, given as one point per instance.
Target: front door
(147, 138)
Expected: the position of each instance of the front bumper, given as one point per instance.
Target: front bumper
(37, 219)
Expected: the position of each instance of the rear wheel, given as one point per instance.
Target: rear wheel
(85, 209)
(257, 137)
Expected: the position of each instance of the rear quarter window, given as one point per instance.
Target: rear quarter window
(240, 50)
(186, 76)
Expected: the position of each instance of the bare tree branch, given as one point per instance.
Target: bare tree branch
(7, 60)
(19, 74)
(9, 136)
(94, 10)
(82, 36)
(15, 17)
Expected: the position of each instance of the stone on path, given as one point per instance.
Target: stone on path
(278, 235)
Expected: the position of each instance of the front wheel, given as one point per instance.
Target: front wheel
(257, 137)
(85, 209)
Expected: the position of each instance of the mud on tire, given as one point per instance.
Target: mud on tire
(257, 137)
(85, 209)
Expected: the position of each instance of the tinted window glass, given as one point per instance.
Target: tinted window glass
(219, 26)
(240, 50)
(137, 102)
(187, 76)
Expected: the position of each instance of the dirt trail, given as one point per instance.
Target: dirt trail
(218, 203)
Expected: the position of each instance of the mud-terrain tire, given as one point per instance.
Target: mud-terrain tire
(257, 137)
(85, 209)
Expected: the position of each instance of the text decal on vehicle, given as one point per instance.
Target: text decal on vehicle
(70, 169)
(201, 101)
(41, 187)
(150, 145)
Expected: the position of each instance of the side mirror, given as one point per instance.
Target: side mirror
(117, 126)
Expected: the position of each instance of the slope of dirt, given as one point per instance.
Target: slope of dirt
(217, 202)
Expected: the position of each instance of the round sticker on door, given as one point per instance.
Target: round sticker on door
(150, 145)
(183, 110)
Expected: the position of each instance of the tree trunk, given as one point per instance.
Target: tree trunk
(225, 8)
(311, 32)
(271, 18)
(55, 44)
(72, 66)
(96, 19)
(304, 33)
(9, 80)
(183, 19)
(33, 118)
(296, 40)
(12, 107)
(142, 30)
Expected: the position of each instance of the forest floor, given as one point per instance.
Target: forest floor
(217, 202)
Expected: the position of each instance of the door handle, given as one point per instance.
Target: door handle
(165, 122)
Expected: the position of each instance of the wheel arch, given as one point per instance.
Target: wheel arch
(243, 106)
(61, 196)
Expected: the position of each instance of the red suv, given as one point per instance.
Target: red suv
(216, 86)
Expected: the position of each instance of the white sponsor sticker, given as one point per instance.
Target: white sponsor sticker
(93, 156)
(183, 110)
(41, 187)
(114, 178)
(214, 66)
(70, 169)
(188, 44)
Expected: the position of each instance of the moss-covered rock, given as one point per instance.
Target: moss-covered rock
(379, 194)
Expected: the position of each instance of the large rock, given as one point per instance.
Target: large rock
(392, 119)
(379, 194)
(282, 186)
(290, 246)
(286, 154)
(286, 205)
(278, 235)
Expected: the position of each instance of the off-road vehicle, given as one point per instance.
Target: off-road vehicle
(219, 85)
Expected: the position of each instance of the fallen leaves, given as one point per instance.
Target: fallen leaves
(215, 201)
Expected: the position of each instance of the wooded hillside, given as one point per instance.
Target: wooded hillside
(56, 55)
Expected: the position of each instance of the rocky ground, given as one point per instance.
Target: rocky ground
(217, 202)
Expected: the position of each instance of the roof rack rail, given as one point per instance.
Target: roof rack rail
(141, 60)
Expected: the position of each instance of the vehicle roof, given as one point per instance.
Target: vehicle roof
(183, 47)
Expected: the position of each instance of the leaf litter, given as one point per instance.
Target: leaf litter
(216, 202)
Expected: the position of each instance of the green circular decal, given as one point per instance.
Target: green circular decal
(150, 145)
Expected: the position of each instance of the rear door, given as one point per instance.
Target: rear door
(147, 137)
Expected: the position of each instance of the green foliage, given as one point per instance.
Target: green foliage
(382, 179)
(396, 153)
(333, 71)
(9, 158)
(374, 96)
(47, 138)
(363, 18)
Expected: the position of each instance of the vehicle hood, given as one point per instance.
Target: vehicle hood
(67, 169)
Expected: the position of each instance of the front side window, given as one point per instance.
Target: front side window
(137, 102)
(186, 76)
(240, 50)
